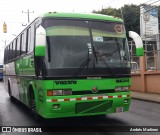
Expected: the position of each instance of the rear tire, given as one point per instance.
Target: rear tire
(10, 93)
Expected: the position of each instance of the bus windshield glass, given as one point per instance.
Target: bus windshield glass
(71, 43)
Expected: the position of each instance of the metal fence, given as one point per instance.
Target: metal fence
(151, 56)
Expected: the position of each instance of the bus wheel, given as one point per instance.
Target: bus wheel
(33, 107)
(10, 93)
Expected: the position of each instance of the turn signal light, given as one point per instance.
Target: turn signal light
(49, 92)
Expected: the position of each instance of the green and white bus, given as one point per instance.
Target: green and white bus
(71, 64)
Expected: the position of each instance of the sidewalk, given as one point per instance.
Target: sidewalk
(146, 96)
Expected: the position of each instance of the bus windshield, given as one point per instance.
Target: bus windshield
(70, 43)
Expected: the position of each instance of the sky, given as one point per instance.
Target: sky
(11, 12)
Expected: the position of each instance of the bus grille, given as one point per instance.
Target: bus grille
(93, 107)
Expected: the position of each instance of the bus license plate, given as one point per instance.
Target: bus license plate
(119, 109)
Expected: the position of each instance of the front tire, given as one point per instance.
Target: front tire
(33, 107)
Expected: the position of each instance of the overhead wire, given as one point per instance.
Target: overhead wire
(145, 11)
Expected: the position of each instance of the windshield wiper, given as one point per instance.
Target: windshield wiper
(96, 54)
(104, 62)
(83, 65)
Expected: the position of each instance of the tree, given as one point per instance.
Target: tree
(131, 16)
(109, 11)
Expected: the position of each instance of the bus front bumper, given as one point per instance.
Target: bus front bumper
(86, 105)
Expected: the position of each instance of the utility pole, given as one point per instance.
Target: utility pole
(28, 12)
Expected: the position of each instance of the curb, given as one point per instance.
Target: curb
(146, 96)
(145, 100)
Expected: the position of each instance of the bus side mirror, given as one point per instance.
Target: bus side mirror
(138, 42)
(40, 45)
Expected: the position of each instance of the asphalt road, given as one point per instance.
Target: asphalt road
(141, 113)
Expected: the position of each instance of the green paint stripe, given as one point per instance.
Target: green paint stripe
(40, 50)
(139, 51)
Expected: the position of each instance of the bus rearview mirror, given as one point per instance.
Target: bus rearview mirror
(40, 45)
(138, 42)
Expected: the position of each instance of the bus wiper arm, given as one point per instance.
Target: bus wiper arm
(105, 63)
(83, 65)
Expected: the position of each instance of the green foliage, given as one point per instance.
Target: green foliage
(131, 16)
(109, 11)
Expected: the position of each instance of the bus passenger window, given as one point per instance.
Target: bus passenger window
(32, 38)
(10, 52)
(14, 48)
(18, 47)
(29, 40)
(7, 54)
(23, 46)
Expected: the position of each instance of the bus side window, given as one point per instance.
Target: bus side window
(18, 51)
(5, 55)
(14, 48)
(28, 39)
(11, 56)
(32, 38)
(25, 41)
(23, 46)
(9, 52)
(16, 41)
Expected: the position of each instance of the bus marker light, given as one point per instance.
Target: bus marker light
(49, 92)
(129, 88)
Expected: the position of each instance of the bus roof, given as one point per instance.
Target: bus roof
(83, 16)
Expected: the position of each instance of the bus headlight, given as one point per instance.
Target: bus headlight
(67, 92)
(59, 92)
(119, 89)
